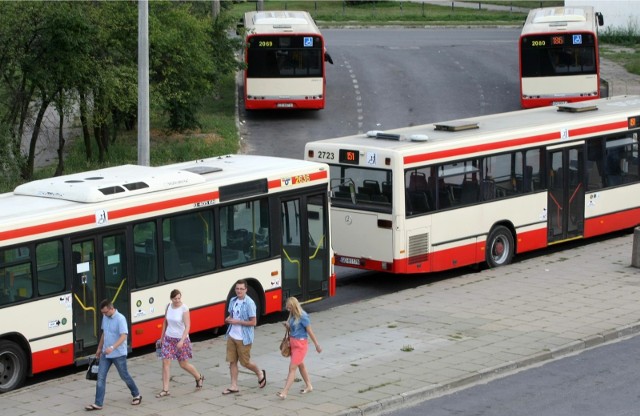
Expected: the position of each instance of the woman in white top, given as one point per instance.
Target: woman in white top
(175, 342)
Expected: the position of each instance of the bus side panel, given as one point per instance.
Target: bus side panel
(147, 332)
(611, 210)
(531, 239)
(452, 257)
(607, 223)
(51, 358)
(209, 317)
(273, 301)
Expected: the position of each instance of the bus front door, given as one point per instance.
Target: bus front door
(99, 272)
(565, 206)
(305, 248)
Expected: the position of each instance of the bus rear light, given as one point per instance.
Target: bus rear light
(310, 154)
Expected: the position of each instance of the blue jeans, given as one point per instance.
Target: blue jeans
(121, 366)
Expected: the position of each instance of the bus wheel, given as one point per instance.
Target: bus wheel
(500, 247)
(13, 366)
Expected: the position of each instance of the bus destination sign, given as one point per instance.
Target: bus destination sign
(351, 157)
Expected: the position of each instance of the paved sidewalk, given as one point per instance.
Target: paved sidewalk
(388, 351)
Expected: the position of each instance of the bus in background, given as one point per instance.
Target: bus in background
(131, 234)
(439, 196)
(559, 60)
(285, 60)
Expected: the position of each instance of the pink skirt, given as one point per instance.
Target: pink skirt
(299, 349)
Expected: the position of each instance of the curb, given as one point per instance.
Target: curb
(416, 396)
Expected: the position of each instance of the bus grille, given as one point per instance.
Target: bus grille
(418, 248)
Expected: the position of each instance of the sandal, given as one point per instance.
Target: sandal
(306, 390)
(263, 381)
(163, 393)
(136, 401)
(199, 382)
(91, 407)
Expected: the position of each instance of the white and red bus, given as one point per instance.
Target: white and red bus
(131, 234)
(559, 61)
(439, 196)
(285, 59)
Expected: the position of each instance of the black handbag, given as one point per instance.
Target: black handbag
(92, 371)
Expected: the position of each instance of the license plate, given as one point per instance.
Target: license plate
(349, 260)
(284, 105)
(558, 102)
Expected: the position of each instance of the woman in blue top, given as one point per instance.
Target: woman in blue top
(299, 327)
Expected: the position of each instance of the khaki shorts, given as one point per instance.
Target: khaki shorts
(236, 351)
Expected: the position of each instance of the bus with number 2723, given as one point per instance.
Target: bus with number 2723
(131, 234)
(444, 195)
(559, 60)
(285, 59)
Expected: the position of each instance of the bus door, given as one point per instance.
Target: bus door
(565, 206)
(99, 272)
(305, 248)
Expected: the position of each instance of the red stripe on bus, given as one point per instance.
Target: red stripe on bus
(52, 358)
(542, 138)
(612, 222)
(48, 227)
(162, 205)
(451, 258)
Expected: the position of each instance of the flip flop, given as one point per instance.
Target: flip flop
(230, 391)
(136, 401)
(91, 407)
(263, 382)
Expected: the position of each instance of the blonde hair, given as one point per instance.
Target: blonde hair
(296, 309)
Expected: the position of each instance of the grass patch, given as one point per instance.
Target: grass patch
(387, 12)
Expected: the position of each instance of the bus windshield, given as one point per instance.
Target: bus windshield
(369, 188)
(284, 56)
(558, 55)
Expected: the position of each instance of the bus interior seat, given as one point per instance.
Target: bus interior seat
(470, 192)
(417, 181)
(171, 261)
(527, 178)
(419, 202)
(379, 198)
(372, 185)
(488, 189)
(387, 190)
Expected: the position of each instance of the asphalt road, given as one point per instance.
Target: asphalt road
(387, 78)
(596, 382)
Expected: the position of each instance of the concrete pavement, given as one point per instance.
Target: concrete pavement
(392, 350)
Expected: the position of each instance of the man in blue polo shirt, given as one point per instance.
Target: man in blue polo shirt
(113, 349)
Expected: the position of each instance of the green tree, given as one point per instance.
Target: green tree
(189, 54)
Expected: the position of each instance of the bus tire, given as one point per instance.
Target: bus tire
(13, 366)
(500, 247)
(251, 292)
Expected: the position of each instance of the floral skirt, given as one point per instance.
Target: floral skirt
(170, 349)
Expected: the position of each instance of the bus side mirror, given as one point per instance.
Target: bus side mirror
(600, 18)
(327, 58)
